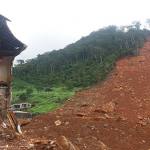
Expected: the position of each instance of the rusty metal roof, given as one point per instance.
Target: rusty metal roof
(9, 44)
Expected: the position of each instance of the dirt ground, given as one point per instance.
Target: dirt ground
(114, 115)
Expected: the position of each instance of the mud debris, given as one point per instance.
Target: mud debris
(114, 115)
(64, 144)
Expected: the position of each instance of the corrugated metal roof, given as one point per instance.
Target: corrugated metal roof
(9, 44)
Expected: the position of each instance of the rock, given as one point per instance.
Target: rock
(121, 118)
(122, 133)
(84, 105)
(143, 123)
(92, 127)
(41, 144)
(108, 117)
(105, 125)
(108, 107)
(30, 146)
(80, 114)
(67, 123)
(103, 146)
(64, 144)
(45, 128)
(143, 141)
(117, 89)
(58, 123)
(79, 140)
(139, 117)
(140, 105)
(98, 118)
(141, 58)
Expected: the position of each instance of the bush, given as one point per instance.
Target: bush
(29, 91)
(23, 96)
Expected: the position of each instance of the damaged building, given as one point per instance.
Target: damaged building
(10, 47)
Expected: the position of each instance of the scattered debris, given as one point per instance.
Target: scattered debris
(30, 146)
(64, 144)
(41, 144)
(107, 108)
(58, 123)
(103, 146)
(121, 118)
(84, 105)
(139, 117)
(80, 114)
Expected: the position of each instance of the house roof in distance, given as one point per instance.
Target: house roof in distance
(9, 44)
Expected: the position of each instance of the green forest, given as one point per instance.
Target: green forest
(54, 76)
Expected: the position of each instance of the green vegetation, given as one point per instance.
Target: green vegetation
(42, 101)
(47, 80)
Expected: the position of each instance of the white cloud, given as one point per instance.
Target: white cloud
(52, 24)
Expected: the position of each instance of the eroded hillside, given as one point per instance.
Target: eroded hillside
(112, 115)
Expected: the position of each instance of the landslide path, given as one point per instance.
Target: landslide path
(114, 115)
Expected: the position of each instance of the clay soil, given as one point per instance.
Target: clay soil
(112, 115)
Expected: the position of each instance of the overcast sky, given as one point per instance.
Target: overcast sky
(45, 25)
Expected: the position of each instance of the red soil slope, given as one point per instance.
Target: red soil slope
(113, 115)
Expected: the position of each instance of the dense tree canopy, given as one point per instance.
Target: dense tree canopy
(85, 62)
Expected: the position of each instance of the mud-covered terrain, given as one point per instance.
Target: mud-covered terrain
(113, 115)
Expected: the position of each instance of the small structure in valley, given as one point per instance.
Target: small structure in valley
(21, 106)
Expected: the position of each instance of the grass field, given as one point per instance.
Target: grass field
(42, 100)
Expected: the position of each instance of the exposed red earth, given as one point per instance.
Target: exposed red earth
(113, 115)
